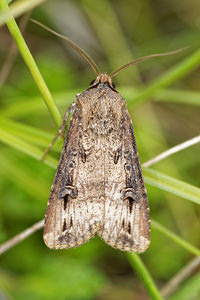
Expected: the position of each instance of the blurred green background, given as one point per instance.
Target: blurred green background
(113, 33)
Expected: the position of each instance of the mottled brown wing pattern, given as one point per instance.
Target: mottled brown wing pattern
(126, 220)
(72, 218)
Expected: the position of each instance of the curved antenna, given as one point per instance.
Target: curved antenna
(73, 45)
(138, 60)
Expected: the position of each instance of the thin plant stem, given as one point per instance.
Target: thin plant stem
(143, 273)
(184, 273)
(189, 290)
(172, 150)
(21, 236)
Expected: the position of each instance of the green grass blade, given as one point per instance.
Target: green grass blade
(17, 8)
(172, 185)
(19, 107)
(19, 144)
(27, 181)
(143, 273)
(189, 290)
(169, 95)
(23, 48)
(179, 96)
(180, 241)
(27, 133)
(168, 78)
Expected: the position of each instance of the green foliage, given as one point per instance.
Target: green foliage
(65, 277)
(113, 32)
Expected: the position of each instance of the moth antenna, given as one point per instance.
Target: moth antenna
(138, 60)
(73, 45)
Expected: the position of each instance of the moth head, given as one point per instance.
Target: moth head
(102, 78)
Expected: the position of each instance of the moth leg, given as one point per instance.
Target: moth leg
(61, 129)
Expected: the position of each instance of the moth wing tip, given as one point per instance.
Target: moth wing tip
(142, 249)
(49, 242)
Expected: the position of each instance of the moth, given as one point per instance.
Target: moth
(98, 187)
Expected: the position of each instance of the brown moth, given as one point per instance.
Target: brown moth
(98, 187)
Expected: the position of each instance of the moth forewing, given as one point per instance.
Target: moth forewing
(127, 220)
(98, 186)
(68, 221)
